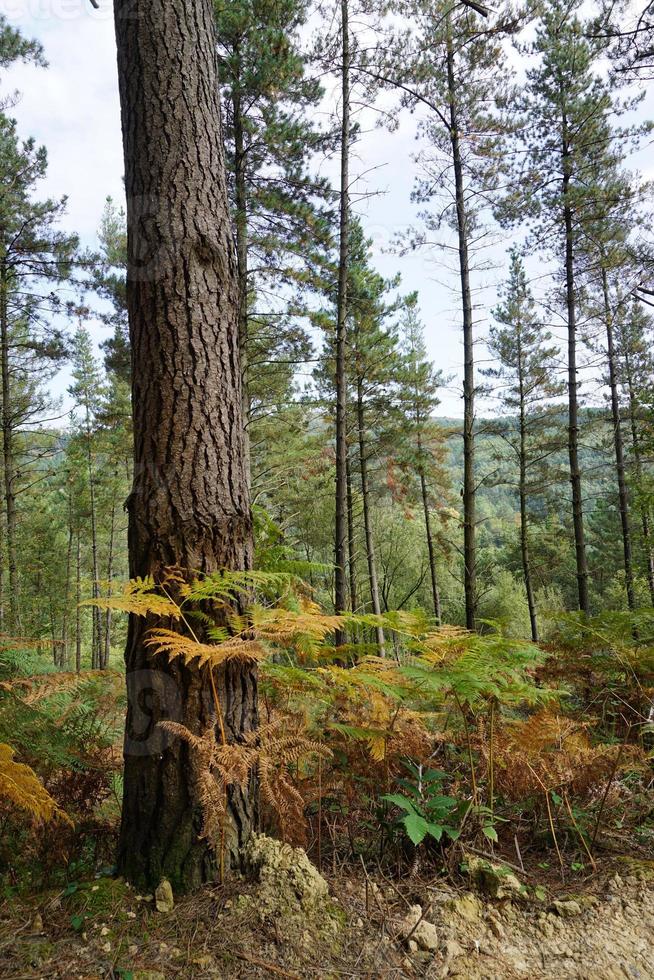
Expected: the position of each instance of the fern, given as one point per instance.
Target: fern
(21, 787)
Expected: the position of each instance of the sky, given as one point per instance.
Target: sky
(72, 108)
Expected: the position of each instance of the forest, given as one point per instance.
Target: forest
(327, 556)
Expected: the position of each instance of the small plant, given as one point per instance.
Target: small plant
(426, 809)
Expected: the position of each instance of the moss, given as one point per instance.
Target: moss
(101, 898)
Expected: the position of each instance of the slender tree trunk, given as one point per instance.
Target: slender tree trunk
(78, 598)
(189, 506)
(96, 644)
(623, 494)
(469, 489)
(524, 526)
(341, 329)
(241, 231)
(638, 467)
(110, 572)
(9, 467)
(367, 524)
(65, 620)
(435, 590)
(351, 541)
(573, 399)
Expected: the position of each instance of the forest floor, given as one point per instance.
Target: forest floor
(284, 925)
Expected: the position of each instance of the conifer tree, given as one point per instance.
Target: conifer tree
(526, 382)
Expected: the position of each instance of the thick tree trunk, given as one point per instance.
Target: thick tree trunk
(241, 230)
(469, 489)
(367, 523)
(638, 468)
(623, 493)
(340, 585)
(189, 505)
(573, 398)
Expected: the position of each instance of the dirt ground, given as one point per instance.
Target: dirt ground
(292, 923)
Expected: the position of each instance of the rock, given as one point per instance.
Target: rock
(163, 896)
(567, 908)
(36, 926)
(282, 867)
(496, 927)
(494, 879)
(453, 949)
(467, 906)
(415, 927)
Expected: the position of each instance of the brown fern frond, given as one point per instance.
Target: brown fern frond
(33, 689)
(177, 646)
(21, 787)
(139, 598)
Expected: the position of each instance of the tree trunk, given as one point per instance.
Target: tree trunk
(78, 610)
(65, 620)
(110, 572)
(435, 591)
(351, 541)
(365, 499)
(573, 401)
(96, 643)
(341, 330)
(189, 505)
(241, 230)
(524, 532)
(623, 494)
(638, 466)
(469, 489)
(9, 466)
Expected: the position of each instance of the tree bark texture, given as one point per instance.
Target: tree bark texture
(189, 506)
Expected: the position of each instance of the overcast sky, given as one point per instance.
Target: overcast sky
(72, 108)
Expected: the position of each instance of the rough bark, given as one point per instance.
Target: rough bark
(96, 643)
(351, 540)
(241, 231)
(469, 489)
(106, 652)
(435, 590)
(340, 585)
(573, 386)
(189, 505)
(78, 608)
(618, 445)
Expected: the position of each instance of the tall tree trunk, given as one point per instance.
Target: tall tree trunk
(96, 643)
(524, 527)
(241, 231)
(9, 466)
(469, 489)
(623, 494)
(367, 524)
(78, 598)
(340, 585)
(110, 572)
(351, 540)
(65, 619)
(189, 506)
(638, 467)
(573, 398)
(435, 590)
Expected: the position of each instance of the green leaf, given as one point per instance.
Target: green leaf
(400, 801)
(490, 832)
(416, 827)
(435, 830)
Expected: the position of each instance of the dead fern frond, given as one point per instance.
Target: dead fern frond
(21, 787)
(140, 598)
(177, 646)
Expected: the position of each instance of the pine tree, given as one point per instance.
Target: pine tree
(189, 506)
(526, 383)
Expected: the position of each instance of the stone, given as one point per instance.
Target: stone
(415, 927)
(163, 896)
(494, 879)
(567, 908)
(467, 906)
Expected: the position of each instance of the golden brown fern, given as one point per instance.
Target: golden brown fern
(21, 787)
